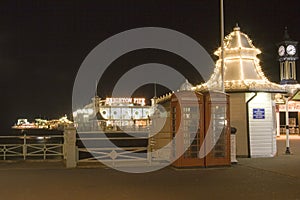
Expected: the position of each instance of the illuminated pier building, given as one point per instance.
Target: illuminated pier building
(114, 114)
(252, 95)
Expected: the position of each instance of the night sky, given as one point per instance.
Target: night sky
(43, 43)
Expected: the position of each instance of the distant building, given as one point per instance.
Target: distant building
(113, 114)
(54, 124)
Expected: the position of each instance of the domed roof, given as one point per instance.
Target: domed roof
(186, 86)
(242, 70)
(237, 40)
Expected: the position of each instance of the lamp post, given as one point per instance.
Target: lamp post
(277, 121)
(222, 43)
(287, 130)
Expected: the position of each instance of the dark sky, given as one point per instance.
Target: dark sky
(43, 43)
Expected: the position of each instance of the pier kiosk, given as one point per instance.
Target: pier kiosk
(252, 95)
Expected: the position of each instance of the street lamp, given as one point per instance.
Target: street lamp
(222, 43)
(287, 128)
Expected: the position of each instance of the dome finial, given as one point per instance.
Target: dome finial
(236, 28)
(186, 86)
(286, 35)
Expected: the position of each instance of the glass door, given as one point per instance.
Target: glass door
(217, 130)
(187, 124)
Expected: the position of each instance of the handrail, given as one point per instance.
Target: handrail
(30, 136)
(115, 138)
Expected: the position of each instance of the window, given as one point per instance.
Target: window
(191, 140)
(218, 114)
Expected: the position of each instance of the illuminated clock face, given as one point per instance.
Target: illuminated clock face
(291, 50)
(281, 50)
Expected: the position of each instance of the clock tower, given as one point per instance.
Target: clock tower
(287, 56)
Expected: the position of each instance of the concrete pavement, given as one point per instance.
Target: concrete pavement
(255, 178)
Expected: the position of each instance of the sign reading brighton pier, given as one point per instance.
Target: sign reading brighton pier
(125, 100)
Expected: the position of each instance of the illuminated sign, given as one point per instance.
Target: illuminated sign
(125, 100)
(140, 101)
(293, 106)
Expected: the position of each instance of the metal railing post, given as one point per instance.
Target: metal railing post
(149, 149)
(24, 147)
(4, 152)
(44, 151)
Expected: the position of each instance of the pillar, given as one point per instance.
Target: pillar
(70, 147)
(278, 123)
(233, 145)
(287, 131)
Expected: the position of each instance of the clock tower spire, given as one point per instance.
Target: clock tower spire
(287, 56)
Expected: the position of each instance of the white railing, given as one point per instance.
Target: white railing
(87, 151)
(134, 150)
(31, 147)
(112, 154)
(86, 148)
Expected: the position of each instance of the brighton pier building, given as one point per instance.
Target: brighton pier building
(252, 96)
(113, 114)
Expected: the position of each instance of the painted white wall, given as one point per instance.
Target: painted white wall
(262, 132)
(238, 119)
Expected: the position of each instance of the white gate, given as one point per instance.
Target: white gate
(112, 147)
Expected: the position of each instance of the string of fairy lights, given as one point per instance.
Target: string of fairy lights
(237, 47)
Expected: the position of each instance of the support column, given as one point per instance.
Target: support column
(287, 128)
(70, 147)
(288, 72)
(278, 123)
(281, 71)
(294, 71)
(233, 145)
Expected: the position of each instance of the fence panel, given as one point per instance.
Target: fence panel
(26, 147)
